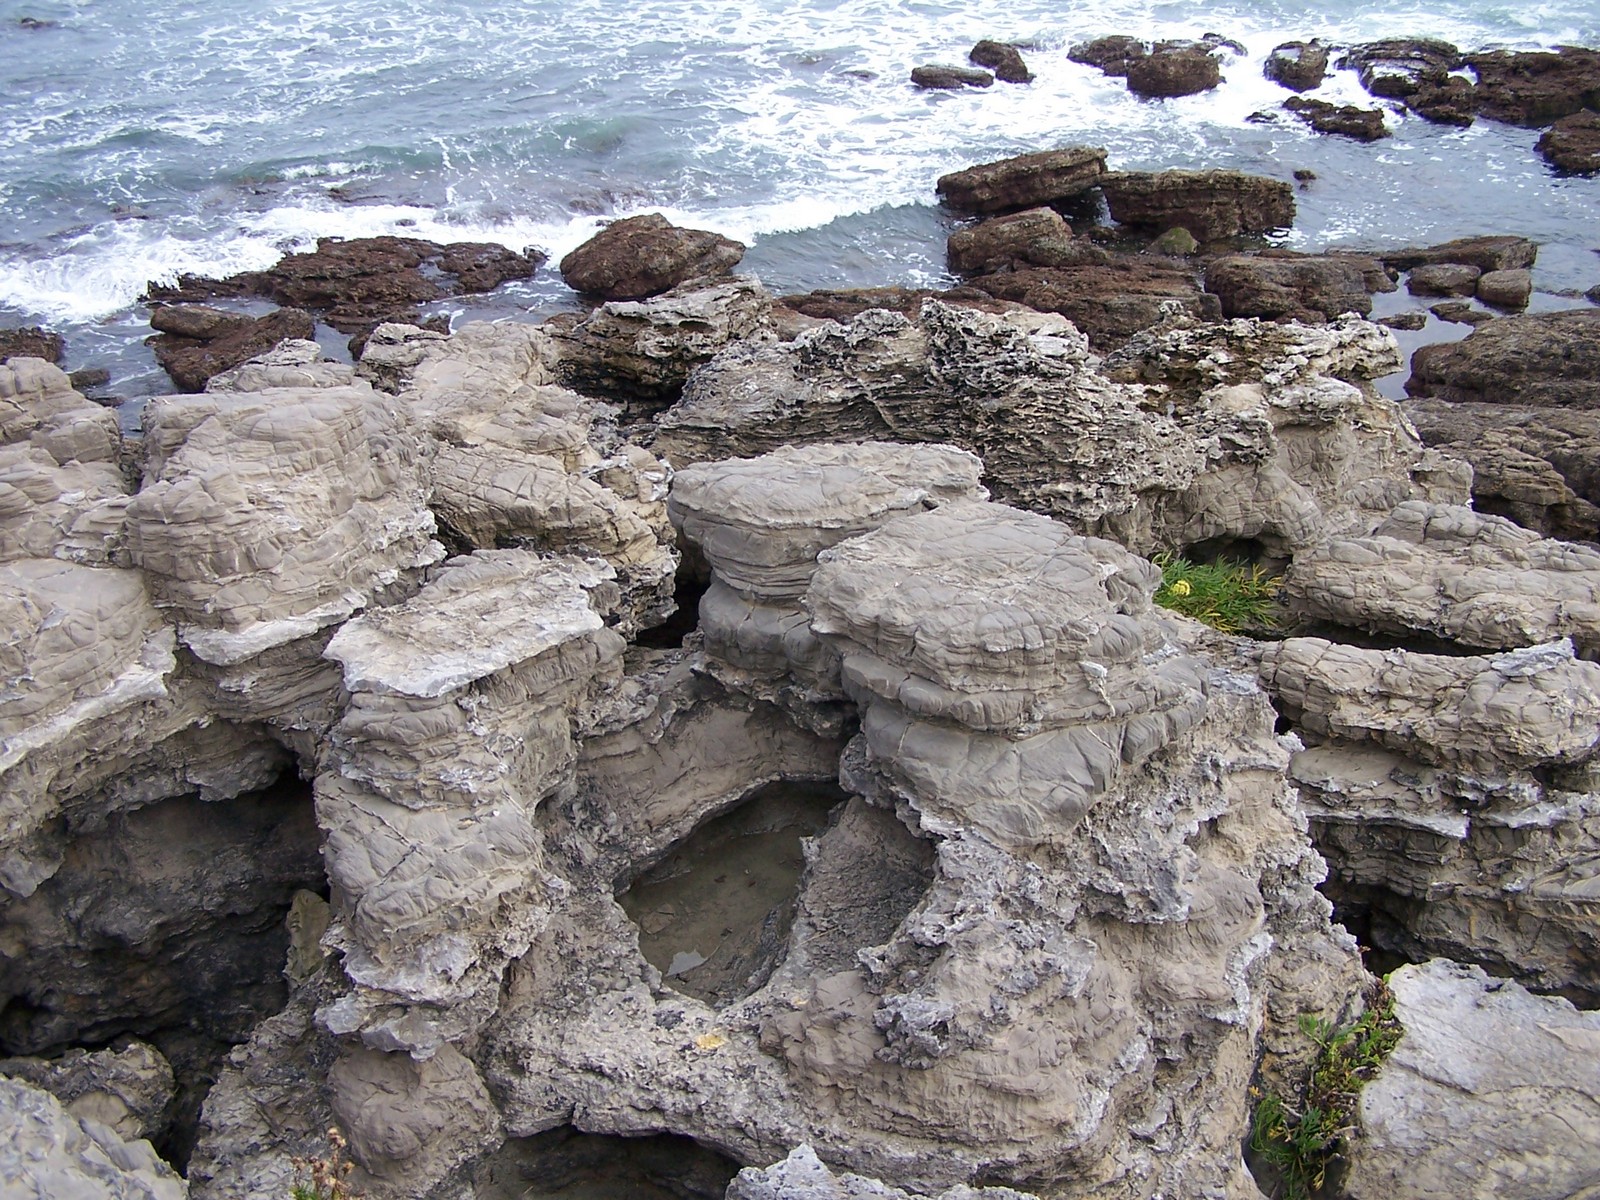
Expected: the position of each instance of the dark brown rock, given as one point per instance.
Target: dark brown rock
(1408, 321)
(199, 322)
(1182, 71)
(645, 256)
(1506, 289)
(1113, 55)
(1298, 66)
(1540, 467)
(1498, 252)
(1572, 144)
(1459, 312)
(357, 284)
(228, 340)
(1363, 124)
(1537, 87)
(1004, 59)
(1542, 360)
(1209, 204)
(1109, 301)
(1444, 99)
(1394, 67)
(87, 379)
(1037, 237)
(949, 78)
(1296, 287)
(31, 342)
(1443, 279)
(1025, 181)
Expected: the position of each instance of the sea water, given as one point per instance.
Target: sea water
(139, 141)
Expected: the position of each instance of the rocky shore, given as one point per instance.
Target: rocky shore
(724, 743)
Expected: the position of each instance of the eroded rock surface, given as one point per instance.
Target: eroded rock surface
(46, 1151)
(646, 255)
(1209, 204)
(1543, 360)
(1025, 181)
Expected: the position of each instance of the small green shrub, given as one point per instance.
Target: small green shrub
(1225, 595)
(1302, 1139)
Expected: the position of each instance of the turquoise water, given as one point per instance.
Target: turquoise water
(138, 142)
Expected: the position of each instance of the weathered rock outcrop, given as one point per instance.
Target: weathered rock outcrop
(31, 342)
(1025, 181)
(195, 342)
(1536, 87)
(804, 1176)
(1363, 124)
(47, 1151)
(1399, 67)
(1498, 252)
(1036, 237)
(1149, 467)
(130, 1090)
(1174, 71)
(1004, 59)
(646, 255)
(1490, 1093)
(1540, 360)
(1298, 66)
(1283, 285)
(1209, 204)
(1451, 573)
(293, 363)
(1572, 144)
(1450, 795)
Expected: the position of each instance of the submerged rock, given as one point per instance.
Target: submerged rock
(646, 255)
(950, 78)
(1363, 124)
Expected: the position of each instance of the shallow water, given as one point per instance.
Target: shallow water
(138, 142)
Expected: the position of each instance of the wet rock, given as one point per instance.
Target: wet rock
(1441, 790)
(1443, 279)
(1501, 252)
(1444, 99)
(1490, 1092)
(1004, 59)
(359, 283)
(1284, 286)
(1539, 467)
(1458, 575)
(1109, 297)
(641, 351)
(1209, 204)
(1460, 312)
(1363, 124)
(46, 1151)
(950, 78)
(1407, 321)
(646, 255)
(1037, 237)
(1538, 360)
(1176, 71)
(1177, 242)
(130, 1090)
(1572, 144)
(1025, 181)
(1506, 289)
(1394, 68)
(197, 342)
(88, 379)
(1298, 66)
(804, 1176)
(1113, 55)
(32, 342)
(1537, 87)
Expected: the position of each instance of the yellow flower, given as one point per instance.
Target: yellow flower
(1181, 588)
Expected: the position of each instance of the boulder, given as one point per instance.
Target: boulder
(1285, 286)
(1004, 59)
(46, 1151)
(1506, 289)
(1572, 144)
(1502, 252)
(1490, 1093)
(32, 342)
(1298, 66)
(1037, 237)
(950, 78)
(1444, 99)
(198, 342)
(356, 284)
(1453, 574)
(1113, 54)
(1536, 87)
(1025, 181)
(1460, 312)
(1210, 204)
(1540, 360)
(646, 255)
(1174, 71)
(639, 352)
(1395, 67)
(1443, 279)
(1363, 124)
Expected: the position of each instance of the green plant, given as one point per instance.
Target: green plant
(1225, 595)
(1302, 1139)
(325, 1177)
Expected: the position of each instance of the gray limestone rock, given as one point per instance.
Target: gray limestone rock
(804, 1176)
(130, 1090)
(1490, 1093)
(39, 408)
(292, 363)
(46, 1151)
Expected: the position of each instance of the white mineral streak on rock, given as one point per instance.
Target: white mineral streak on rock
(1464, 786)
(47, 1151)
(464, 704)
(804, 1176)
(1490, 1095)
